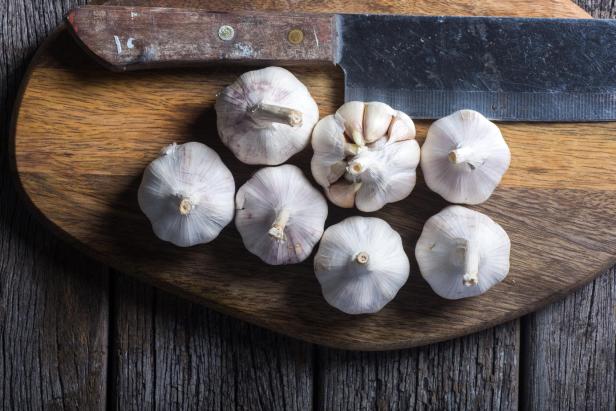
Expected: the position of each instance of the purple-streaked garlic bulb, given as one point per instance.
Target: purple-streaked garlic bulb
(279, 215)
(266, 116)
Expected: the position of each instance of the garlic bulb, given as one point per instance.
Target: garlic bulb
(279, 215)
(187, 194)
(462, 253)
(266, 116)
(464, 157)
(361, 265)
(365, 155)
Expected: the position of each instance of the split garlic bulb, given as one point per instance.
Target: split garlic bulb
(266, 116)
(462, 253)
(361, 265)
(279, 215)
(464, 157)
(365, 155)
(187, 194)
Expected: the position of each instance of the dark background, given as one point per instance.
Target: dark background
(76, 335)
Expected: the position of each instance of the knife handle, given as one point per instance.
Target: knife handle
(131, 38)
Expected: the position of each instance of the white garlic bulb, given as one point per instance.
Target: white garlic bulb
(365, 155)
(279, 215)
(361, 265)
(462, 253)
(464, 157)
(187, 194)
(266, 116)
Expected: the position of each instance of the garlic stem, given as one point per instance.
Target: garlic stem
(360, 164)
(361, 258)
(276, 114)
(185, 206)
(356, 168)
(471, 263)
(277, 230)
(465, 154)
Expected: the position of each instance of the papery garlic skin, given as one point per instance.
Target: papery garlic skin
(361, 265)
(462, 253)
(464, 157)
(279, 215)
(365, 155)
(266, 116)
(187, 194)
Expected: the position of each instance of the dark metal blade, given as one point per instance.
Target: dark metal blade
(509, 69)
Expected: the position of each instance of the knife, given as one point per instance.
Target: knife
(509, 69)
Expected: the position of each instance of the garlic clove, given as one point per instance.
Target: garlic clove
(378, 144)
(352, 114)
(401, 128)
(361, 265)
(462, 253)
(279, 215)
(332, 146)
(342, 193)
(377, 119)
(187, 194)
(266, 116)
(464, 157)
(375, 173)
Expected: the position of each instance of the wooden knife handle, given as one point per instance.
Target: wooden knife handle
(130, 38)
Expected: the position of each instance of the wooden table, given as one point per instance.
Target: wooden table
(74, 334)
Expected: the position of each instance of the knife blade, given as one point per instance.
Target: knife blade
(509, 69)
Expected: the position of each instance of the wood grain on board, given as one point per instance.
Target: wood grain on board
(84, 135)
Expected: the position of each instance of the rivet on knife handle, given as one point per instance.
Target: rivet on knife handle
(129, 38)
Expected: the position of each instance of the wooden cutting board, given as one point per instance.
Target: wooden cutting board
(83, 136)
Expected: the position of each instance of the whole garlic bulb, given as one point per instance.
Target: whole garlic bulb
(361, 265)
(462, 253)
(464, 157)
(365, 155)
(266, 116)
(279, 215)
(187, 194)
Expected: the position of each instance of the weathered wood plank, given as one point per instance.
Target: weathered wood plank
(171, 354)
(475, 372)
(569, 354)
(601, 9)
(53, 301)
(569, 357)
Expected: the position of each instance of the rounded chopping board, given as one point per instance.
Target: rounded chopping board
(83, 135)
